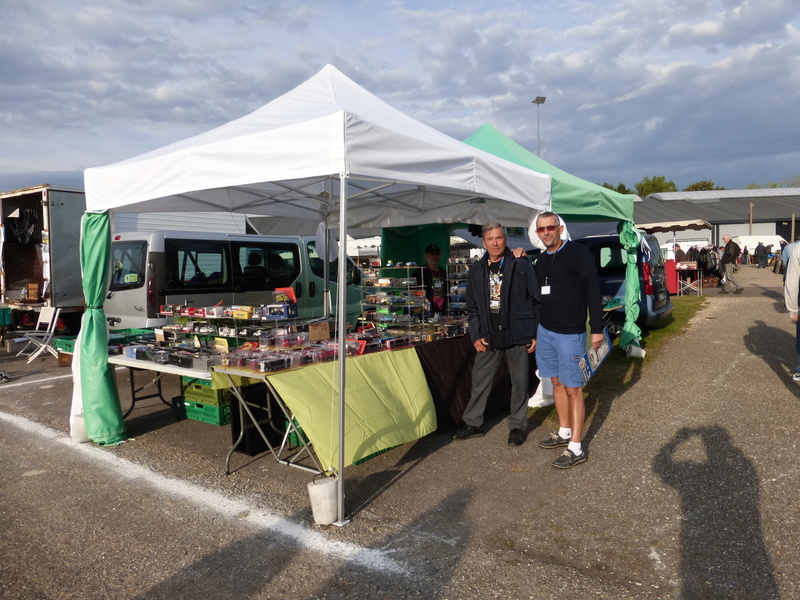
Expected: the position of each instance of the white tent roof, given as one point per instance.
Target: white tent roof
(287, 159)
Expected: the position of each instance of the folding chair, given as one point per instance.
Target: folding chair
(40, 339)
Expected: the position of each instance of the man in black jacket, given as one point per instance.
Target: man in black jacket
(502, 313)
(729, 256)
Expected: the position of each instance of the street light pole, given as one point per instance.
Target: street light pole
(538, 102)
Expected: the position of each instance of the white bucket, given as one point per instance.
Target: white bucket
(323, 497)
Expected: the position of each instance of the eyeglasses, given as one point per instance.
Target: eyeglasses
(547, 228)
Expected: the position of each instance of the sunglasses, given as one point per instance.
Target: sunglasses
(547, 228)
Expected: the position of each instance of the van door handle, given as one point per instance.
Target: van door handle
(312, 289)
(298, 290)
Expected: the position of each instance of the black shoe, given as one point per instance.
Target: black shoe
(739, 291)
(516, 437)
(567, 460)
(554, 441)
(724, 292)
(468, 431)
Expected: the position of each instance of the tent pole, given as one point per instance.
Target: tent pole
(342, 335)
(327, 304)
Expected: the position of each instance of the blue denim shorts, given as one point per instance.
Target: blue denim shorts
(559, 355)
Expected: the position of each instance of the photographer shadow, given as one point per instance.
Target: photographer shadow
(723, 554)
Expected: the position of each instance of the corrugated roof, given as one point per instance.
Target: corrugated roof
(719, 206)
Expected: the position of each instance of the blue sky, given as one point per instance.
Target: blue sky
(687, 89)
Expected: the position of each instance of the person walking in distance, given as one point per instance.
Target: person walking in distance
(729, 256)
(502, 313)
(569, 289)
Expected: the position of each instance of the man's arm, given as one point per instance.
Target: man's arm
(792, 283)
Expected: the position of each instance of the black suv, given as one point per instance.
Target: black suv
(611, 260)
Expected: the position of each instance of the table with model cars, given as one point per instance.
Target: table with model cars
(388, 403)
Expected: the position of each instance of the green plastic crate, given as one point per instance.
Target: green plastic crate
(65, 343)
(207, 413)
(194, 392)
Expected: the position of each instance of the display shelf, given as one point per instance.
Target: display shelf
(396, 301)
(457, 279)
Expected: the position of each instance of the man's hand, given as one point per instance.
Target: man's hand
(794, 317)
(518, 253)
(531, 346)
(481, 345)
(597, 340)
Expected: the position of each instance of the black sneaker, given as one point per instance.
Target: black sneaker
(739, 291)
(724, 292)
(568, 459)
(516, 437)
(554, 441)
(468, 431)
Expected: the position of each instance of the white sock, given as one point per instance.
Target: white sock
(575, 447)
(564, 433)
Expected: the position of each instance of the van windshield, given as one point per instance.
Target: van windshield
(128, 259)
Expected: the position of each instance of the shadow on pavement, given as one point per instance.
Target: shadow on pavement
(253, 567)
(722, 547)
(426, 578)
(768, 343)
(598, 404)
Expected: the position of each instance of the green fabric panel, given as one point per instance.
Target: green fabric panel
(630, 238)
(388, 403)
(408, 243)
(101, 411)
(573, 198)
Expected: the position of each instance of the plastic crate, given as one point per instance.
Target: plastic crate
(65, 344)
(207, 413)
(373, 455)
(197, 392)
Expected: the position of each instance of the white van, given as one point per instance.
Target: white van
(208, 269)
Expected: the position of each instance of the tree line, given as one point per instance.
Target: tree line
(659, 183)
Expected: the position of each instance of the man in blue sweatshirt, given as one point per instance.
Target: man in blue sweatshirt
(569, 289)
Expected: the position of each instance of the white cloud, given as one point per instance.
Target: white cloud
(633, 89)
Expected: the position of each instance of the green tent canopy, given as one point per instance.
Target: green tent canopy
(573, 198)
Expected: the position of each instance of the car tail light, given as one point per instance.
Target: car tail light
(648, 279)
(151, 293)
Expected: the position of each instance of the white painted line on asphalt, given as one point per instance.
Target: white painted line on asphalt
(10, 385)
(210, 500)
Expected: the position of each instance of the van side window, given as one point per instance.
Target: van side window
(128, 261)
(196, 264)
(265, 265)
(318, 267)
(611, 260)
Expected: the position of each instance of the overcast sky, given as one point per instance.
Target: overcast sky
(687, 89)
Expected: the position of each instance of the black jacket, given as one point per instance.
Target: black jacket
(519, 300)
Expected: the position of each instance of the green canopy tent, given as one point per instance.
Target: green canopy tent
(576, 199)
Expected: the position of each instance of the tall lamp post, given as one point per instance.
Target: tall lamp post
(538, 102)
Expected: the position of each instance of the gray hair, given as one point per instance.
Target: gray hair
(547, 213)
(492, 225)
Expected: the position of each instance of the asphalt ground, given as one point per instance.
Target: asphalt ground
(689, 492)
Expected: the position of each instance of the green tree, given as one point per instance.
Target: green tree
(655, 185)
(621, 188)
(699, 186)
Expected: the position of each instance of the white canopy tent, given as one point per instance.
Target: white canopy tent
(329, 151)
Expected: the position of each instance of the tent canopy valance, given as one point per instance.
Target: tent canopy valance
(673, 226)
